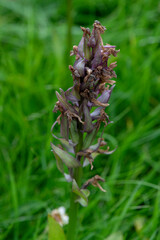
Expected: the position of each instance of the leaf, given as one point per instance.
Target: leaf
(64, 102)
(59, 163)
(82, 193)
(74, 132)
(61, 100)
(75, 90)
(67, 144)
(71, 96)
(65, 157)
(89, 138)
(64, 142)
(64, 126)
(55, 230)
(88, 126)
(82, 201)
(61, 168)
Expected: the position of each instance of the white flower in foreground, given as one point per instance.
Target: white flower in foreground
(60, 215)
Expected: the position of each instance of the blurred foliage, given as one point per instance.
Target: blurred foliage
(33, 64)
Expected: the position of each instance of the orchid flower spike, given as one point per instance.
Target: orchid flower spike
(79, 122)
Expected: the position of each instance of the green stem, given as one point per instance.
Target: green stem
(73, 211)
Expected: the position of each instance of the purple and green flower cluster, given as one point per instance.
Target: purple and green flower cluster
(82, 108)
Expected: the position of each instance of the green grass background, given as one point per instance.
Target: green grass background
(34, 59)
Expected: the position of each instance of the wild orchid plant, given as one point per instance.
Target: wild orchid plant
(82, 112)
